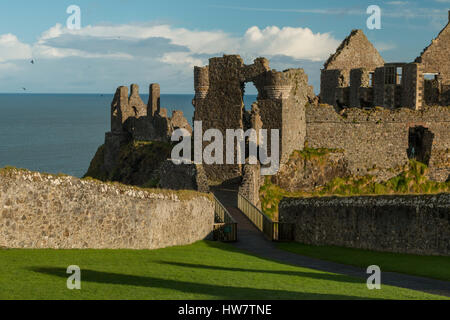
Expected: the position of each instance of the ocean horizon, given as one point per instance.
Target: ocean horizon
(60, 132)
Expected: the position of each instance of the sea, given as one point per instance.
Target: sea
(60, 133)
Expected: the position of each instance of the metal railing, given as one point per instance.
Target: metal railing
(273, 230)
(225, 227)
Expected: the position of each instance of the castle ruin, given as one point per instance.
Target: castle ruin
(132, 119)
(282, 97)
(378, 114)
(356, 76)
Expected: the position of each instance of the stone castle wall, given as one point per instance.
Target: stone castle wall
(402, 224)
(282, 97)
(132, 119)
(377, 141)
(436, 57)
(355, 52)
(46, 211)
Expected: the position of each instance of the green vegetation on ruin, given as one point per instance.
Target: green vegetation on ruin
(412, 180)
(138, 161)
(435, 267)
(204, 270)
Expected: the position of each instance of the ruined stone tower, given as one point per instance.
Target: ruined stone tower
(132, 119)
(219, 104)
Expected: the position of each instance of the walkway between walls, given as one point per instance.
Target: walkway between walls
(252, 240)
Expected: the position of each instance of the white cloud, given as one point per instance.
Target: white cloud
(183, 58)
(179, 45)
(101, 57)
(12, 49)
(297, 43)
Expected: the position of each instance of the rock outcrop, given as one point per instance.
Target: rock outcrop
(306, 170)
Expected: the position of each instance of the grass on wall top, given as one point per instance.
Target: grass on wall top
(413, 180)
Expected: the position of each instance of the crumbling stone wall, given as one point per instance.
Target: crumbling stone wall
(436, 57)
(402, 224)
(344, 79)
(219, 102)
(412, 86)
(361, 92)
(132, 119)
(355, 52)
(60, 212)
(251, 184)
(281, 99)
(377, 141)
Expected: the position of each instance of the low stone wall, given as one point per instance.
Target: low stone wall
(61, 212)
(402, 224)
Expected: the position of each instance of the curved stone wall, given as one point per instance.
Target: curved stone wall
(62, 212)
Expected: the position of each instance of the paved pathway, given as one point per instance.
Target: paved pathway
(251, 240)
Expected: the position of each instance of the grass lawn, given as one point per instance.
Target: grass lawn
(205, 270)
(424, 266)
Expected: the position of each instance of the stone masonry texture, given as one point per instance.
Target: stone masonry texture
(401, 224)
(376, 141)
(281, 101)
(356, 76)
(61, 212)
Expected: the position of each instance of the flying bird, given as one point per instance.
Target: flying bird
(24, 89)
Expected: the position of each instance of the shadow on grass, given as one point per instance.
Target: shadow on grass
(214, 291)
(312, 275)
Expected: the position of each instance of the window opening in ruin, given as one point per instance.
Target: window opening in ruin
(399, 75)
(249, 95)
(420, 144)
(371, 75)
(430, 76)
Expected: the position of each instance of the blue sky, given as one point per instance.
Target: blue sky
(138, 41)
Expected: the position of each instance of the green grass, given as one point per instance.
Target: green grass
(425, 266)
(205, 270)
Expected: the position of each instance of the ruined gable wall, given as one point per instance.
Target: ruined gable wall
(376, 141)
(436, 57)
(355, 52)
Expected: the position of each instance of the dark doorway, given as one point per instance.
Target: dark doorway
(420, 144)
